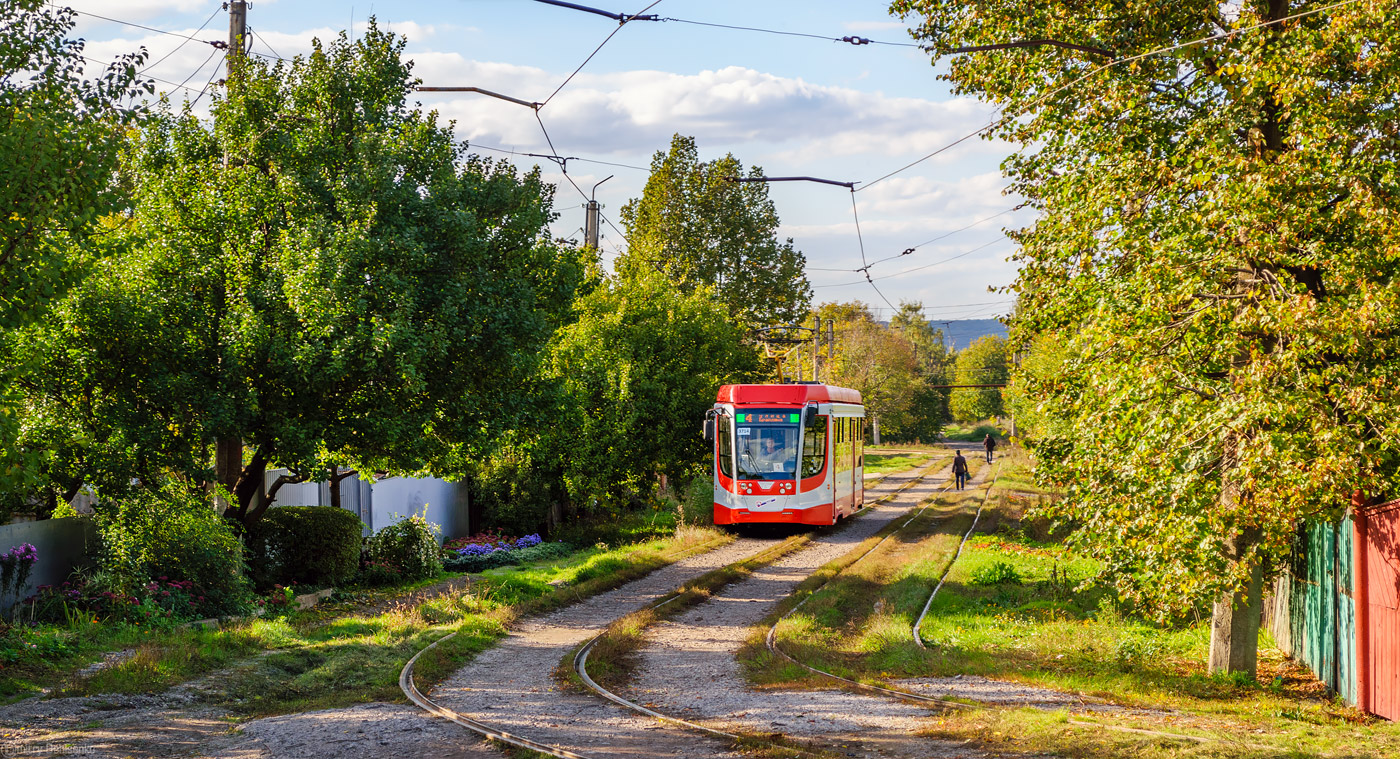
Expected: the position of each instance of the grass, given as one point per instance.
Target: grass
(975, 433)
(1019, 609)
(885, 463)
(340, 654)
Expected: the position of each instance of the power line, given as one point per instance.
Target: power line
(1094, 71)
(605, 41)
(850, 39)
(184, 42)
(916, 268)
(152, 78)
(216, 43)
(943, 236)
(259, 37)
(212, 74)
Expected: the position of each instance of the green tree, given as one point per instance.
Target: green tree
(1216, 252)
(878, 362)
(59, 139)
(639, 367)
(699, 227)
(321, 273)
(929, 411)
(981, 363)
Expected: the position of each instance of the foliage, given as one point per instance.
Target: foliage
(981, 363)
(322, 272)
(1217, 257)
(639, 366)
(15, 565)
(311, 545)
(699, 228)
(879, 362)
(996, 573)
(409, 546)
(928, 410)
(59, 137)
(483, 560)
(171, 535)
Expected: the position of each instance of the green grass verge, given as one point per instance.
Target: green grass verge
(338, 654)
(1018, 609)
(885, 463)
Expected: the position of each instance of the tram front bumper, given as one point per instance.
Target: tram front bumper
(740, 515)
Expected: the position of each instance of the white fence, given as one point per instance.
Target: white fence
(380, 503)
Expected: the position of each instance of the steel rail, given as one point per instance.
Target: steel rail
(771, 638)
(411, 690)
(949, 569)
(919, 698)
(580, 662)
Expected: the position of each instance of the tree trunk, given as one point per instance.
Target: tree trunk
(875, 430)
(1235, 618)
(335, 486)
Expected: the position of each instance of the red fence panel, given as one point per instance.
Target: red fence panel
(1379, 622)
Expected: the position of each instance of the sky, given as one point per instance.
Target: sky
(793, 105)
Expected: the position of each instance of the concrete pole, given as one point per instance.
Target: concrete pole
(237, 30)
(590, 225)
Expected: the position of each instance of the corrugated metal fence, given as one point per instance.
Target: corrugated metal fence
(1336, 608)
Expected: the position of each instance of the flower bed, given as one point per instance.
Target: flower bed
(487, 551)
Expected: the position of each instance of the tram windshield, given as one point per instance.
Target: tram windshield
(766, 444)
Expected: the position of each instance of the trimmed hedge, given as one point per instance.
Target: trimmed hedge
(506, 558)
(311, 545)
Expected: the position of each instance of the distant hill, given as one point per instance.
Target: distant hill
(960, 334)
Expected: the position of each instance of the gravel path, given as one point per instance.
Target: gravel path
(688, 667)
(511, 686)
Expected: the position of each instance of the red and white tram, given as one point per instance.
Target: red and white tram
(787, 453)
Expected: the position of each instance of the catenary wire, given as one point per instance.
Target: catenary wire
(207, 84)
(916, 268)
(192, 75)
(790, 34)
(510, 151)
(142, 26)
(1111, 64)
(184, 42)
(943, 236)
(152, 78)
(259, 37)
(605, 41)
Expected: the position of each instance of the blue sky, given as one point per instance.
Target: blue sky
(793, 105)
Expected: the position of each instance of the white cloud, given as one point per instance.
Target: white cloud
(137, 10)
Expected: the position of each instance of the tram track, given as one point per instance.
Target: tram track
(553, 747)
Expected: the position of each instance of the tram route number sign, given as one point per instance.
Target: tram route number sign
(767, 418)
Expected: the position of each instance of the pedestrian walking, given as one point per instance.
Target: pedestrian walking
(991, 445)
(960, 470)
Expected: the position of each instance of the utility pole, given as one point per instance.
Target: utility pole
(816, 345)
(830, 349)
(237, 30)
(590, 223)
(228, 450)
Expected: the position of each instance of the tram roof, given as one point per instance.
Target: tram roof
(787, 394)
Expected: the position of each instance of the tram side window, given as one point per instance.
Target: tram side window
(814, 447)
(860, 443)
(725, 434)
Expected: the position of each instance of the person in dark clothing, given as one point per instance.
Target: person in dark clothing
(960, 469)
(991, 445)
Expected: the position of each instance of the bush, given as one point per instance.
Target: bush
(306, 545)
(478, 562)
(998, 573)
(409, 546)
(171, 535)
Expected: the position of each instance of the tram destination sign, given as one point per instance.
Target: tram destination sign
(767, 417)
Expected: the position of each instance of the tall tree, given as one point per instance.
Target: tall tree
(929, 410)
(981, 363)
(878, 362)
(699, 227)
(59, 138)
(1217, 254)
(321, 273)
